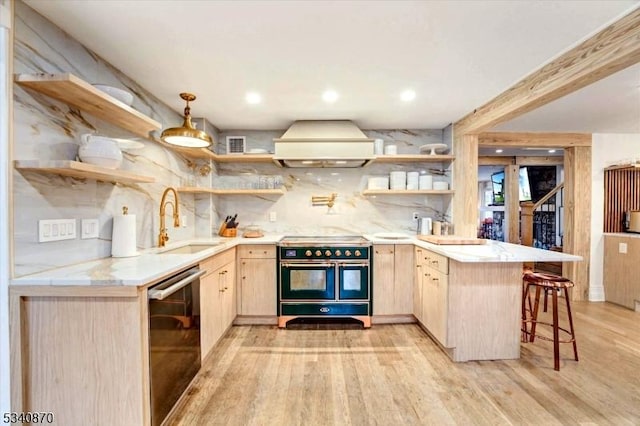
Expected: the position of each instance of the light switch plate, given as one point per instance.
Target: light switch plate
(56, 230)
(622, 248)
(90, 228)
(272, 216)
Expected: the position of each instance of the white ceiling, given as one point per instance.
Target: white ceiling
(456, 55)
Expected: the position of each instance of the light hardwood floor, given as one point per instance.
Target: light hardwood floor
(396, 375)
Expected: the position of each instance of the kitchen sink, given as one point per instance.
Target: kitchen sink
(190, 248)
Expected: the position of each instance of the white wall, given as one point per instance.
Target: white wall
(607, 149)
(5, 25)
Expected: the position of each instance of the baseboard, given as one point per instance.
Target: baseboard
(393, 319)
(596, 294)
(256, 320)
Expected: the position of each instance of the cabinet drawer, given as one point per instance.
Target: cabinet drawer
(218, 260)
(433, 260)
(261, 251)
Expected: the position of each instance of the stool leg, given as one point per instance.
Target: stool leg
(573, 333)
(534, 315)
(556, 337)
(525, 327)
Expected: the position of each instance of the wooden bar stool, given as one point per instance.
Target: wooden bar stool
(550, 284)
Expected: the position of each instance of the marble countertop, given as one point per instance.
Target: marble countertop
(492, 251)
(152, 265)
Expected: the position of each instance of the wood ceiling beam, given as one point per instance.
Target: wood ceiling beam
(607, 52)
(490, 160)
(533, 139)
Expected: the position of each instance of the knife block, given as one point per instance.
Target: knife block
(230, 232)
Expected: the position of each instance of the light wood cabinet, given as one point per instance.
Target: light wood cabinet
(621, 283)
(432, 303)
(257, 280)
(217, 299)
(393, 279)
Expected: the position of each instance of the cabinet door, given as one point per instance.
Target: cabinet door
(229, 295)
(210, 307)
(258, 285)
(403, 279)
(435, 304)
(417, 284)
(383, 279)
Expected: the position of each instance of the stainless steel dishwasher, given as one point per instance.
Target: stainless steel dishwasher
(174, 339)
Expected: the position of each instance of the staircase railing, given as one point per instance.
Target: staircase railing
(527, 212)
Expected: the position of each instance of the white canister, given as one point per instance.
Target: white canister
(440, 186)
(391, 149)
(412, 180)
(425, 226)
(398, 180)
(378, 147)
(425, 182)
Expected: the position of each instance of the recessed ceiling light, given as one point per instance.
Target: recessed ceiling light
(408, 95)
(330, 96)
(498, 151)
(253, 98)
(551, 151)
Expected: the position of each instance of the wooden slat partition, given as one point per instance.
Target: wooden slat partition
(621, 193)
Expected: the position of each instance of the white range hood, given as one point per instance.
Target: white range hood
(323, 143)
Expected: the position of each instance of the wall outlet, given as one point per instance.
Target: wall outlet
(56, 230)
(183, 220)
(415, 215)
(622, 248)
(89, 228)
(272, 216)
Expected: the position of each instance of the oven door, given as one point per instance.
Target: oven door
(353, 280)
(313, 280)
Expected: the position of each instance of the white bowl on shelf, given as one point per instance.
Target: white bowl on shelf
(100, 151)
(121, 95)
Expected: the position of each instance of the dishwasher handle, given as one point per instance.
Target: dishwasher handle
(166, 292)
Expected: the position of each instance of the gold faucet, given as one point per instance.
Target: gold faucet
(324, 201)
(164, 237)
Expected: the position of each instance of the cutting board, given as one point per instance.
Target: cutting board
(450, 239)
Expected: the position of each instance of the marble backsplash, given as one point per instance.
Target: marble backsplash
(46, 129)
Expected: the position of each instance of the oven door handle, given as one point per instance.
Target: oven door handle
(306, 265)
(166, 292)
(357, 265)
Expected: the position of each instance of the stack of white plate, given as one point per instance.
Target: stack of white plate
(378, 182)
(412, 180)
(398, 180)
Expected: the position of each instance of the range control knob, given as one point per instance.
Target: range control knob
(357, 253)
(318, 253)
(327, 253)
(338, 252)
(347, 253)
(308, 253)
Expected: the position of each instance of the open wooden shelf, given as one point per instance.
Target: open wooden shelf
(80, 170)
(406, 192)
(77, 92)
(413, 158)
(216, 191)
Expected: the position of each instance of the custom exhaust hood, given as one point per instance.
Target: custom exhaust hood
(323, 143)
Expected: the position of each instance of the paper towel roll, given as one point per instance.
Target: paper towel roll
(123, 240)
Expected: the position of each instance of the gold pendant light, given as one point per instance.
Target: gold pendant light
(187, 135)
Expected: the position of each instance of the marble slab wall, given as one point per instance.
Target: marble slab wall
(45, 129)
(353, 212)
